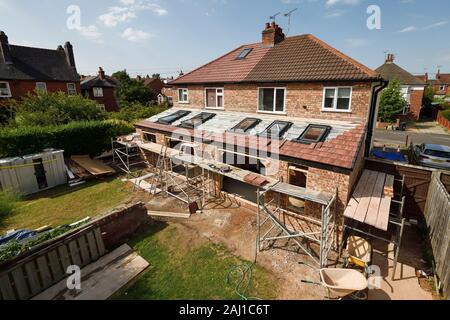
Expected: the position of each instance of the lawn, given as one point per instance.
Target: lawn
(65, 205)
(184, 267)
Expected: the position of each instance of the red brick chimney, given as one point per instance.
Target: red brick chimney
(390, 58)
(438, 75)
(272, 34)
(101, 73)
(5, 53)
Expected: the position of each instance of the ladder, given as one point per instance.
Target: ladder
(161, 167)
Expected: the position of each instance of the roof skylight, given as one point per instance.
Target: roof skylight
(244, 53)
(277, 129)
(314, 134)
(245, 125)
(173, 117)
(198, 120)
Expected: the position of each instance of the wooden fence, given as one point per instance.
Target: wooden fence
(437, 215)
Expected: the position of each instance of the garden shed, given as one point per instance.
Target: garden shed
(33, 173)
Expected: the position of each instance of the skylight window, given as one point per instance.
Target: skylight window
(173, 117)
(277, 129)
(314, 134)
(197, 120)
(246, 125)
(244, 53)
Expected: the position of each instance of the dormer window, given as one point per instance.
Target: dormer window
(244, 53)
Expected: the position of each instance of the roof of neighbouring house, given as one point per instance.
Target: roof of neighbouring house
(340, 148)
(444, 78)
(96, 81)
(297, 58)
(391, 71)
(38, 64)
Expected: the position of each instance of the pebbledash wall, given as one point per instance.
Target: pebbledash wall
(303, 100)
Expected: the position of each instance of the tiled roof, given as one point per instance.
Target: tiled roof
(37, 64)
(391, 71)
(340, 149)
(96, 81)
(298, 58)
(444, 78)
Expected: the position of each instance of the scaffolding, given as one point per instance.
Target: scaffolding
(273, 221)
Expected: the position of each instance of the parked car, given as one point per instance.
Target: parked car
(433, 155)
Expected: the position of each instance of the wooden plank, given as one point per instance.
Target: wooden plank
(356, 198)
(64, 256)
(169, 214)
(375, 201)
(44, 270)
(360, 214)
(55, 265)
(20, 284)
(74, 253)
(389, 186)
(82, 244)
(6, 289)
(99, 240)
(383, 218)
(33, 279)
(92, 246)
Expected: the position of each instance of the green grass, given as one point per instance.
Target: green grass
(182, 270)
(65, 205)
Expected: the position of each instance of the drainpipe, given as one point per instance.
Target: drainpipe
(373, 114)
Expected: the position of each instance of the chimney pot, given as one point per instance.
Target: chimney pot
(5, 51)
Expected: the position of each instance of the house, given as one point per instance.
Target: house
(412, 86)
(440, 85)
(154, 83)
(25, 69)
(291, 108)
(102, 89)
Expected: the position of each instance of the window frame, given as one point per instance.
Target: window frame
(41, 89)
(9, 95)
(274, 101)
(96, 95)
(187, 96)
(217, 98)
(322, 137)
(240, 56)
(101, 106)
(73, 92)
(442, 87)
(336, 93)
(282, 132)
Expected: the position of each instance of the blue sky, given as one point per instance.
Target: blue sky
(164, 36)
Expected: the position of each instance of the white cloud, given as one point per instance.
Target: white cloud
(436, 25)
(331, 3)
(134, 35)
(335, 14)
(90, 32)
(356, 42)
(408, 29)
(129, 10)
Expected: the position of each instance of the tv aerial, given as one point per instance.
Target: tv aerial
(273, 18)
(289, 15)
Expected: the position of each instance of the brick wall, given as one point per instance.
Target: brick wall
(416, 103)
(22, 88)
(303, 100)
(109, 99)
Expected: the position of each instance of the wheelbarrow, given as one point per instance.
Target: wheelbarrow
(341, 283)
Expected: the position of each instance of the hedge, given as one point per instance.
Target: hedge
(446, 114)
(76, 138)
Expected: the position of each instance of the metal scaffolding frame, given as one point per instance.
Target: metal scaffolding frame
(270, 215)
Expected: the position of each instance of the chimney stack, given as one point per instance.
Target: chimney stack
(272, 34)
(390, 58)
(5, 52)
(438, 74)
(426, 76)
(101, 73)
(68, 49)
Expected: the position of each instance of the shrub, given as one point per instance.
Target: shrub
(90, 137)
(391, 102)
(446, 114)
(45, 109)
(137, 111)
(7, 203)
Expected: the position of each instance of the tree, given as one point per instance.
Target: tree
(428, 96)
(44, 109)
(132, 91)
(392, 102)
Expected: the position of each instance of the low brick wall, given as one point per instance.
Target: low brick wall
(443, 121)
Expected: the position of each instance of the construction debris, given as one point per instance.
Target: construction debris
(95, 167)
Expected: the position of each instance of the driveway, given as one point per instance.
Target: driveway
(399, 137)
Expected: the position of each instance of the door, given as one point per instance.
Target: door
(211, 98)
(40, 173)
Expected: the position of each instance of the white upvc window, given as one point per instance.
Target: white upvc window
(183, 95)
(71, 89)
(5, 90)
(41, 86)
(337, 99)
(214, 98)
(98, 92)
(272, 100)
(442, 88)
(101, 107)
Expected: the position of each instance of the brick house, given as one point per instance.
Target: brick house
(412, 86)
(154, 83)
(25, 69)
(102, 89)
(441, 84)
(296, 97)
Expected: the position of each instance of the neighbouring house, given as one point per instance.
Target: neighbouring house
(412, 86)
(297, 97)
(154, 83)
(166, 95)
(25, 69)
(440, 85)
(102, 89)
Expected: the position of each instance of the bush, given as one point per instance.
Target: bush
(7, 203)
(90, 137)
(45, 109)
(446, 114)
(391, 102)
(137, 111)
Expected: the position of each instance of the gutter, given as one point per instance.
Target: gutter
(373, 114)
